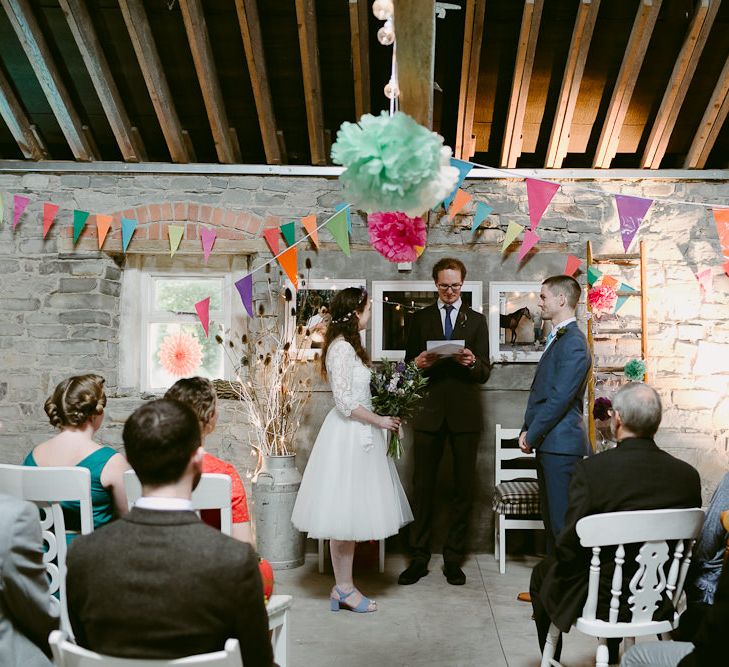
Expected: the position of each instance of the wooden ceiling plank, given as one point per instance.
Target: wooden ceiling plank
(711, 123)
(34, 44)
(140, 32)
(20, 127)
(306, 19)
(574, 69)
(678, 84)
(528, 35)
(82, 28)
(198, 37)
(250, 29)
(640, 36)
(415, 38)
(358, 26)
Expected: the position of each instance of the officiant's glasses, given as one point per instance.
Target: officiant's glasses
(449, 288)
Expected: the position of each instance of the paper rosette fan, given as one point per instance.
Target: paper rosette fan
(393, 164)
(602, 299)
(396, 235)
(180, 354)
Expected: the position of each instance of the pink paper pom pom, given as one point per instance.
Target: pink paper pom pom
(395, 235)
(602, 299)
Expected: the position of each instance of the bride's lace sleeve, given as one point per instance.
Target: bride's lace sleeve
(341, 359)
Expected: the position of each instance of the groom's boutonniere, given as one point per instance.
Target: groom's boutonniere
(560, 332)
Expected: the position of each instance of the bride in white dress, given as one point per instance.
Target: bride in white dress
(350, 491)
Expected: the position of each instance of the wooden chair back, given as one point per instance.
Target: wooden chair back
(511, 462)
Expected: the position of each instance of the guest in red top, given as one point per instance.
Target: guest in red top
(199, 394)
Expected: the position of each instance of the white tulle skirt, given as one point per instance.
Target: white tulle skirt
(350, 489)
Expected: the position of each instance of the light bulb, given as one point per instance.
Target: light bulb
(386, 35)
(392, 90)
(383, 9)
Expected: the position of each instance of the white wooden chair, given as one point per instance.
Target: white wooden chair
(67, 654)
(654, 582)
(47, 487)
(214, 492)
(278, 623)
(516, 495)
(322, 551)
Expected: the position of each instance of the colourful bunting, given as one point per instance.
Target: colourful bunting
(309, 223)
(19, 204)
(337, 226)
(273, 238)
(79, 222)
(721, 217)
(573, 263)
(203, 312)
(539, 195)
(207, 238)
(175, 234)
(593, 275)
(459, 201)
(483, 211)
(49, 213)
(245, 289)
(631, 211)
(463, 169)
(512, 231)
(103, 225)
(129, 226)
(726, 268)
(530, 240)
(621, 298)
(289, 232)
(345, 207)
(419, 250)
(706, 280)
(609, 281)
(287, 260)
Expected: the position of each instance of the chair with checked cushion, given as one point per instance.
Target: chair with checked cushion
(516, 497)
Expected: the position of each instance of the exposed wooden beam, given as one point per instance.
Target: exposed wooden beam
(358, 28)
(415, 35)
(576, 58)
(640, 36)
(711, 124)
(250, 29)
(678, 84)
(470, 65)
(82, 28)
(198, 37)
(140, 33)
(530, 20)
(34, 44)
(306, 19)
(14, 116)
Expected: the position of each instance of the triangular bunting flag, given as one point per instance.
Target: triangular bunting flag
(103, 225)
(459, 201)
(539, 194)
(463, 169)
(593, 275)
(343, 207)
(49, 213)
(721, 217)
(79, 222)
(573, 263)
(631, 211)
(419, 249)
(706, 280)
(273, 238)
(287, 260)
(128, 225)
(203, 312)
(483, 211)
(512, 231)
(289, 232)
(245, 289)
(622, 299)
(207, 237)
(309, 223)
(726, 268)
(530, 240)
(19, 204)
(175, 234)
(337, 226)
(609, 281)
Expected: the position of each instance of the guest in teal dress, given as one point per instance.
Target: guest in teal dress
(76, 408)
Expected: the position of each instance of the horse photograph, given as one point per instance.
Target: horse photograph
(520, 328)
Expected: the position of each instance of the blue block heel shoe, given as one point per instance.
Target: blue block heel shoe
(339, 602)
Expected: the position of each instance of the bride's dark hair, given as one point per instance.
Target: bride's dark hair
(345, 308)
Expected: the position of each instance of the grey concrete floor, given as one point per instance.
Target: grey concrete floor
(428, 624)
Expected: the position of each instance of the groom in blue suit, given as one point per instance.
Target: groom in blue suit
(553, 423)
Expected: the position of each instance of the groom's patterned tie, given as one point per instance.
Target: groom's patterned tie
(448, 328)
(550, 338)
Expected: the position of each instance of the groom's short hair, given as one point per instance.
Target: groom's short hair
(566, 285)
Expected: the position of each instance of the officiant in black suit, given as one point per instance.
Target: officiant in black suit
(450, 411)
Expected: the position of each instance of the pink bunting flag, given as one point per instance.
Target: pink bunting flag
(539, 195)
(273, 238)
(19, 204)
(459, 201)
(706, 280)
(631, 211)
(207, 238)
(573, 263)
(530, 240)
(49, 214)
(245, 289)
(203, 312)
(721, 217)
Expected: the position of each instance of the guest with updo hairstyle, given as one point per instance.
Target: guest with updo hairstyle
(76, 409)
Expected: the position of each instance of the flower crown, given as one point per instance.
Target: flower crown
(348, 316)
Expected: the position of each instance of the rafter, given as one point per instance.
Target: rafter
(306, 18)
(34, 44)
(140, 33)
(678, 84)
(250, 29)
(358, 15)
(18, 124)
(577, 57)
(530, 20)
(470, 65)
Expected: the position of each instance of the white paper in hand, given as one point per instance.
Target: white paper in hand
(445, 348)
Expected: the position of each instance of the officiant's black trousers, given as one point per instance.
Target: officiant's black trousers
(428, 451)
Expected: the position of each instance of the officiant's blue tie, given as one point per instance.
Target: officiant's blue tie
(448, 328)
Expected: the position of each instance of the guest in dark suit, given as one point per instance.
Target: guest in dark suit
(451, 410)
(159, 583)
(553, 423)
(635, 475)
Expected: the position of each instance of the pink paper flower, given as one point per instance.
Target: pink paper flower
(395, 235)
(180, 354)
(602, 299)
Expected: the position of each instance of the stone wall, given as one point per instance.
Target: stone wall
(61, 310)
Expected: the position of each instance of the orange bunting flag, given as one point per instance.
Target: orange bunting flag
(309, 223)
(459, 201)
(609, 281)
(721, 217)
(419, 249)
(573, 263)
(273, 238)
(103, 225)
(287, 260)
(49, 213)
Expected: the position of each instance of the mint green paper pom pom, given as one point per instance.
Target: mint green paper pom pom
(635, 370)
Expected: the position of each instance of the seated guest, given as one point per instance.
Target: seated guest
(199, 394)
(27, 614)
(635, 475)
(76, 407)
(159, 583)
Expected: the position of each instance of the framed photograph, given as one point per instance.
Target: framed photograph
(516, 330)
(393, 304)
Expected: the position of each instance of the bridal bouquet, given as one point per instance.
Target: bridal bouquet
(396, 388)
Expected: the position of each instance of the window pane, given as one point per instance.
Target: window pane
(181, 294)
